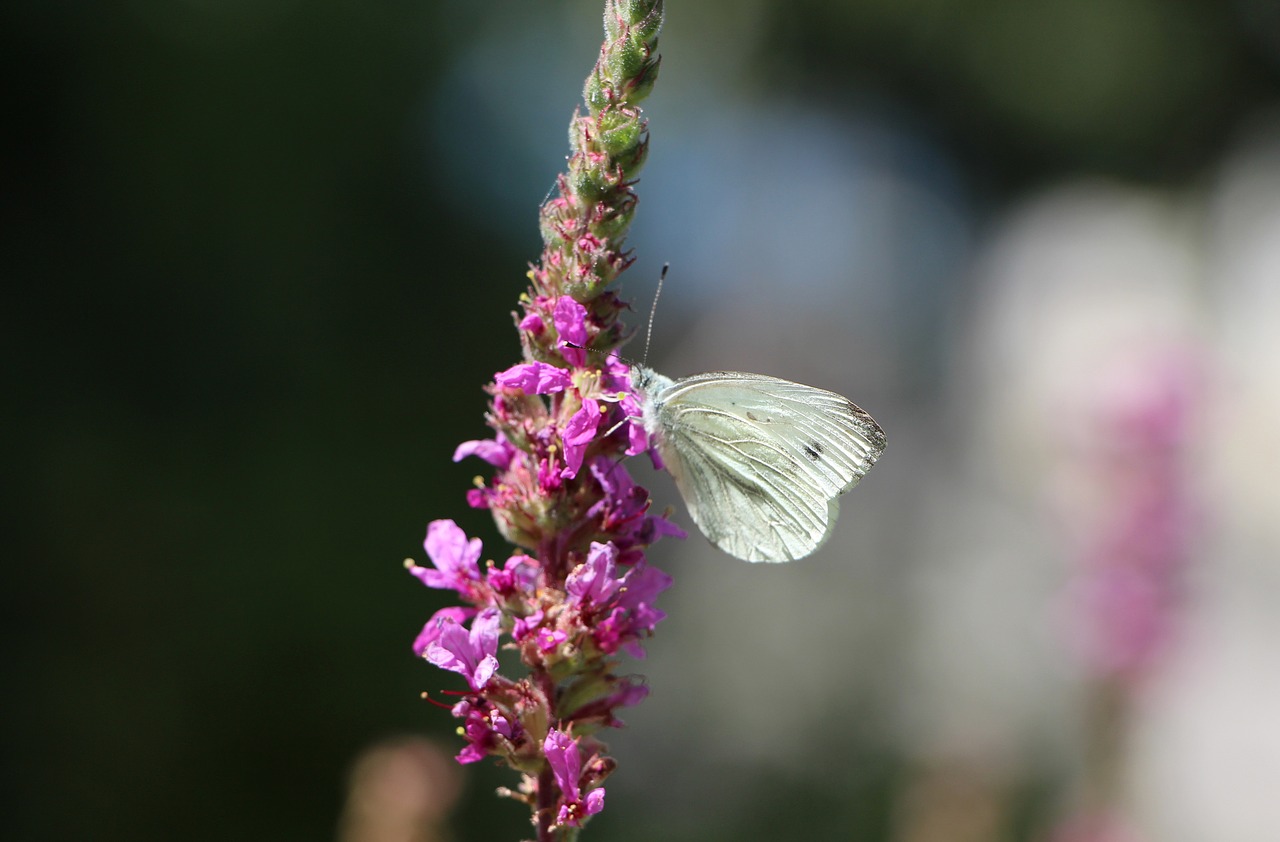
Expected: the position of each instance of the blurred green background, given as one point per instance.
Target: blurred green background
(260, 259)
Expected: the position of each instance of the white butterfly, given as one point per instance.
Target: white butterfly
(760, 461)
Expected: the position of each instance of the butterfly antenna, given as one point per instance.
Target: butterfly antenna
(648, 335)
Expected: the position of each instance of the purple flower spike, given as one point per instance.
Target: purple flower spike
(470, 654)
(575, 588)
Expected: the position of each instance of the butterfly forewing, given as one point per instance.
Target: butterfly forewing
(760, 461)
(744, 500)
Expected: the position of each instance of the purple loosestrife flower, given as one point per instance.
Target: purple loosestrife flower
(570, 319)
(534, 379)
(578, 588)
(566, 764)
(456, 559)
(618, 609)
(497, 452)
(486, 728)
(469, 653)
(431, 631)
(578, 435)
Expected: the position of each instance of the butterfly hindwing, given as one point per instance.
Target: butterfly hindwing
(742, 501)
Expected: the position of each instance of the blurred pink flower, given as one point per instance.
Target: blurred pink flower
(1127, 590)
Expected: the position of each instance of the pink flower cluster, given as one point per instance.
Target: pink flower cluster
(1099, 827)
(577, 592)
(553, 421)
(1127, 593)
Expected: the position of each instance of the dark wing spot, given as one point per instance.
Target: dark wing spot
(813, 450)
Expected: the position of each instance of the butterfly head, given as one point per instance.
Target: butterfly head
(645, 380)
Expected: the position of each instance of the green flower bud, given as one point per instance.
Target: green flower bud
(618, 131)
(594, 94)
(639, 87)
(627, 58)
(613, 227)
(637, 11)
(615, 23)
(590, 184)
(646, 20)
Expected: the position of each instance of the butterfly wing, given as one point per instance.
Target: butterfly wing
(761, 462)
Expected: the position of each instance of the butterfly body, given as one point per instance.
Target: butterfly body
(760, 461)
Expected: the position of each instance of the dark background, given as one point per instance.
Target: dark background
(246, 321)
